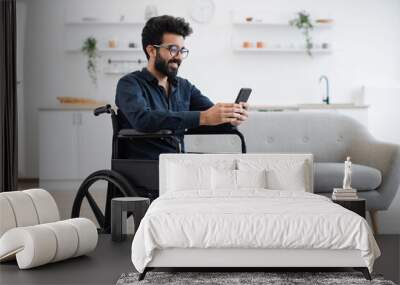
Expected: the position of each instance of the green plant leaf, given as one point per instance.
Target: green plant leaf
(89, 48)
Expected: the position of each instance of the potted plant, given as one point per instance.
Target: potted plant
(89, 48)
(303, 23)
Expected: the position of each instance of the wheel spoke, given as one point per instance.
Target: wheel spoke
(96, 210)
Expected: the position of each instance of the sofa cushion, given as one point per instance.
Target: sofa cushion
(330, 175)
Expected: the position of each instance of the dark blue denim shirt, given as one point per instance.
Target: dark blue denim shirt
(143, 105)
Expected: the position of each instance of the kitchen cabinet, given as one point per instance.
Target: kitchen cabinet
(72, 144)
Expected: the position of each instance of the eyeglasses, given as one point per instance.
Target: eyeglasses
(174, 50)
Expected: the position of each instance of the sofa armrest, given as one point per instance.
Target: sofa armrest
(386, 158)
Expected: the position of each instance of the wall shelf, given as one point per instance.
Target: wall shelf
(282, 50)
(277, 35)
(109, 50)
(277, 24)
(136, 23)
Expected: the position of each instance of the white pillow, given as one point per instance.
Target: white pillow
(288, 174)
(230, 179)
(251, 178)
(182, 177)
(223, 179)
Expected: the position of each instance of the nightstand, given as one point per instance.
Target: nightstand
(358, 206)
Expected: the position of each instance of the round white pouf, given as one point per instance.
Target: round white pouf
(23, 208)
(67, 240)
(6, 215)
(40, 244)
(87, 233)
(45, 205)
(33, 246)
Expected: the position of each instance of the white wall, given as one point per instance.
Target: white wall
(366, 41)
(384, 125)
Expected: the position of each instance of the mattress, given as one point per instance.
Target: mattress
(250, 219)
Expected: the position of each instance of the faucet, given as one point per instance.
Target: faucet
(324, 77)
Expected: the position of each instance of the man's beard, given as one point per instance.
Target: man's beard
(164, 67)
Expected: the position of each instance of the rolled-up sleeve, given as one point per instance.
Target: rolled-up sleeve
(131, 102)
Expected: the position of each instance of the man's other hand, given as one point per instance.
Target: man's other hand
(244, 114)
(222, 113)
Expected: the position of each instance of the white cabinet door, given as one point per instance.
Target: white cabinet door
(94, 142)
(58, 144)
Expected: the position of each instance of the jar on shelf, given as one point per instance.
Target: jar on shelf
(132, 45)
(247, 44)
(260, 44)
(112, 43)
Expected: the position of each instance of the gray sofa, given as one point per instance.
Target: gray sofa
(330, 138)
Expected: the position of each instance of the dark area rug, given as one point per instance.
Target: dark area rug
(273, 278)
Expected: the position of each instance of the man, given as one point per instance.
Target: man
(155, 98)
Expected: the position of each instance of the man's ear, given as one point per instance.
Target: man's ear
(151, 51)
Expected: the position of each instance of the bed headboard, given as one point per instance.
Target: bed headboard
(168, 162)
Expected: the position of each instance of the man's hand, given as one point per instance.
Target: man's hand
(244, 114)
(222, 113)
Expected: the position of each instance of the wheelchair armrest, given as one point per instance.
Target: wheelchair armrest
(132, 133)
(224, 129)
(103, 109)
(213, 130)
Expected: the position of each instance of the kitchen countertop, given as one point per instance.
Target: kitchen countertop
(295, 107)
(70, 107)
(310, 106)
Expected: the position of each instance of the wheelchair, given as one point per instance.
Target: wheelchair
(134, 177)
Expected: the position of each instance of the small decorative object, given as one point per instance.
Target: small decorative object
(347, 174)
(67, 100)
(324, 21)
(89, 19)
(325, 45)
(122, 18)
(132, 45)
(89, 48)
(202, 11)
(303, 23)
(247, 44)
(150, 12)
(260, 44)
(112, 43)
(249, 19)
(347, 192)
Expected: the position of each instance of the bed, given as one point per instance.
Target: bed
(247, 210)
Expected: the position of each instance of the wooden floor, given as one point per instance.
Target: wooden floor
(102, 266)
(110, 259)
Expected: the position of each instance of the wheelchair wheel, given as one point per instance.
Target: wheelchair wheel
(118, 186)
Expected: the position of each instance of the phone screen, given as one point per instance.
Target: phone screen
(243, 95)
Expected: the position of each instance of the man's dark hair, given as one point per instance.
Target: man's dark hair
(156, 27)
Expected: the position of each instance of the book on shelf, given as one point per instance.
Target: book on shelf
(345, 194)
(336, 196)
(344, 198)
(341, 190)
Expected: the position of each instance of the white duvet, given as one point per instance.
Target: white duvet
(250, 219)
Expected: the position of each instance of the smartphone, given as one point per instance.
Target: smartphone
(243, 95)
